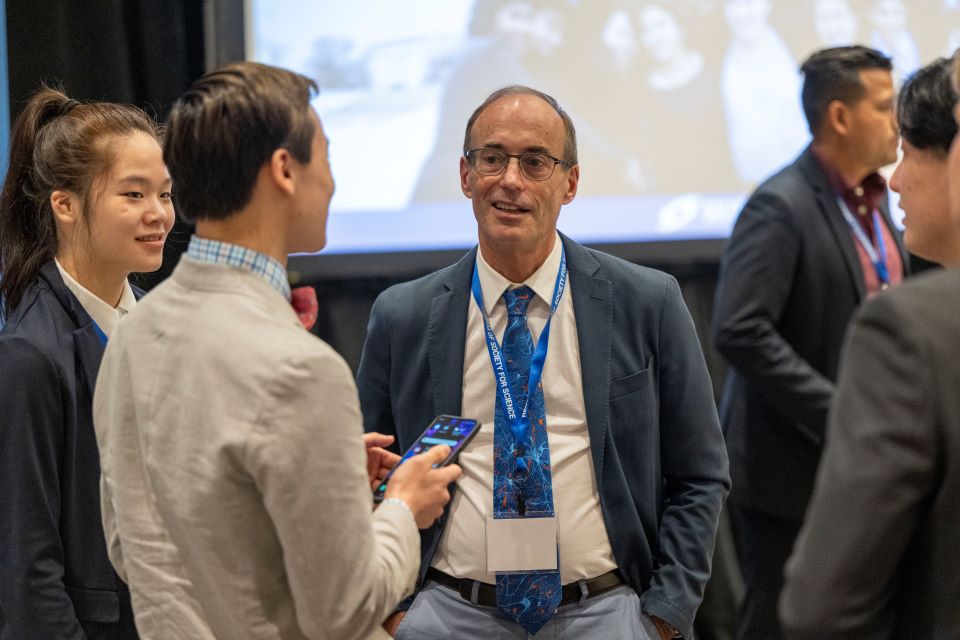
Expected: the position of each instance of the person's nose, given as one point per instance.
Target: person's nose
(895, 178)
(512, 177)
(159, 211)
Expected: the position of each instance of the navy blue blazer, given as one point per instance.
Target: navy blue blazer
(56, 580)
(790, 280)
(657, 450)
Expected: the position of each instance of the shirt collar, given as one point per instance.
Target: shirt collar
(542, 281)
(238, 257)
(99, 311)
(861, 198)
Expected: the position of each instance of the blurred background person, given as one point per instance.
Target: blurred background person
(86, 201)
(604, 94)
(620, 40)
(675, 64)
(890, 34)
(510, 42)
(877, 556)
(810, 244)
(681, 88)
(760, 90)
(835, 22)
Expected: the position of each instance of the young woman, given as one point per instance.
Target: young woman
(86, 201)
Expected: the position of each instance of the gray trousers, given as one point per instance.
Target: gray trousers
(439, 613)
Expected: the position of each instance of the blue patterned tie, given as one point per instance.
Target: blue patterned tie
(528, 598)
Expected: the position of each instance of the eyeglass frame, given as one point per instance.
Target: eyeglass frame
(556, 161)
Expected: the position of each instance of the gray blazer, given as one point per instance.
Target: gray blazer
(879, 553)
(658, 454)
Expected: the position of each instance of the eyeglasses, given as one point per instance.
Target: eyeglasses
(534, 166)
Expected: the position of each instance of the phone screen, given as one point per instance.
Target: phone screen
(453, 431)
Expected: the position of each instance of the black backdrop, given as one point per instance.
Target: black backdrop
(146, 52)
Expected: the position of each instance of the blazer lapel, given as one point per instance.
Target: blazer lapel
(89, 351)
(87, 347)
(830, 210)
(593, 308)
(446, 331)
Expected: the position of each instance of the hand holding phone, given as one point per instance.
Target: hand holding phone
(423, 486)
(380, 460)
(453, 431)
(421, 477)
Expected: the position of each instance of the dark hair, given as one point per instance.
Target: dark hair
(925, 107)
(570, 142)
(225, 127)
(56, 143)
(834, 74)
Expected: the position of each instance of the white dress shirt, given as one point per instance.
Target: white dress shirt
(102, 313)
(585, 550)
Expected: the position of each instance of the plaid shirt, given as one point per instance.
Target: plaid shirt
(216, 252)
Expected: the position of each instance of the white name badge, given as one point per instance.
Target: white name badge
(521, 544)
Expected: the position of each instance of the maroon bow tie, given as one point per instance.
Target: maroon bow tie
(304, 302)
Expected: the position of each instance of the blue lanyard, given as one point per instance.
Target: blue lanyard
(99, 332)
(519, 424)
(877, 256)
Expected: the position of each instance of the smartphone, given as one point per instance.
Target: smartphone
(453, 431)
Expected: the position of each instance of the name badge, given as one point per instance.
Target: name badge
(522, 544)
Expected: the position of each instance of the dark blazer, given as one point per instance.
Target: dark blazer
(657, 450)
(790, 279)
(56, 581)
(878, 556)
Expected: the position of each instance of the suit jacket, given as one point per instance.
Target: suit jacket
(878, 556)
(655, 442)
(55, 578)
(790, 279)
(235, 493)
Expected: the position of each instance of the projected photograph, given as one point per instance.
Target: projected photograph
(681, 106)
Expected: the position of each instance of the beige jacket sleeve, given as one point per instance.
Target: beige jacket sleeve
(347, 567)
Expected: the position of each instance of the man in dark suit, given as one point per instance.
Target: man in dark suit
(810, 244)
(622, 442)
(877, 556)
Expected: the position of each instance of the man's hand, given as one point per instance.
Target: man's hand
(379, 460)
(422, 486)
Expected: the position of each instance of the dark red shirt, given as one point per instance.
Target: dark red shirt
(863, 199)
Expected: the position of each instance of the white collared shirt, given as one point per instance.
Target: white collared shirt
(585, 550)
(102, 313)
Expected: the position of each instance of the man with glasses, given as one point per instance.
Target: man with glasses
(588, 506)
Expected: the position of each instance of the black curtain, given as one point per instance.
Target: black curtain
(141, 52)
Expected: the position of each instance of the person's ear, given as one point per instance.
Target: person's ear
(464, 177)
(66, 207)
(282, 171)
(838, 117)
(572, 180)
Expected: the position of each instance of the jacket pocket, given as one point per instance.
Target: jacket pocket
(631, 383)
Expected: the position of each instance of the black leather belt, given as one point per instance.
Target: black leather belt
(486, 594)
